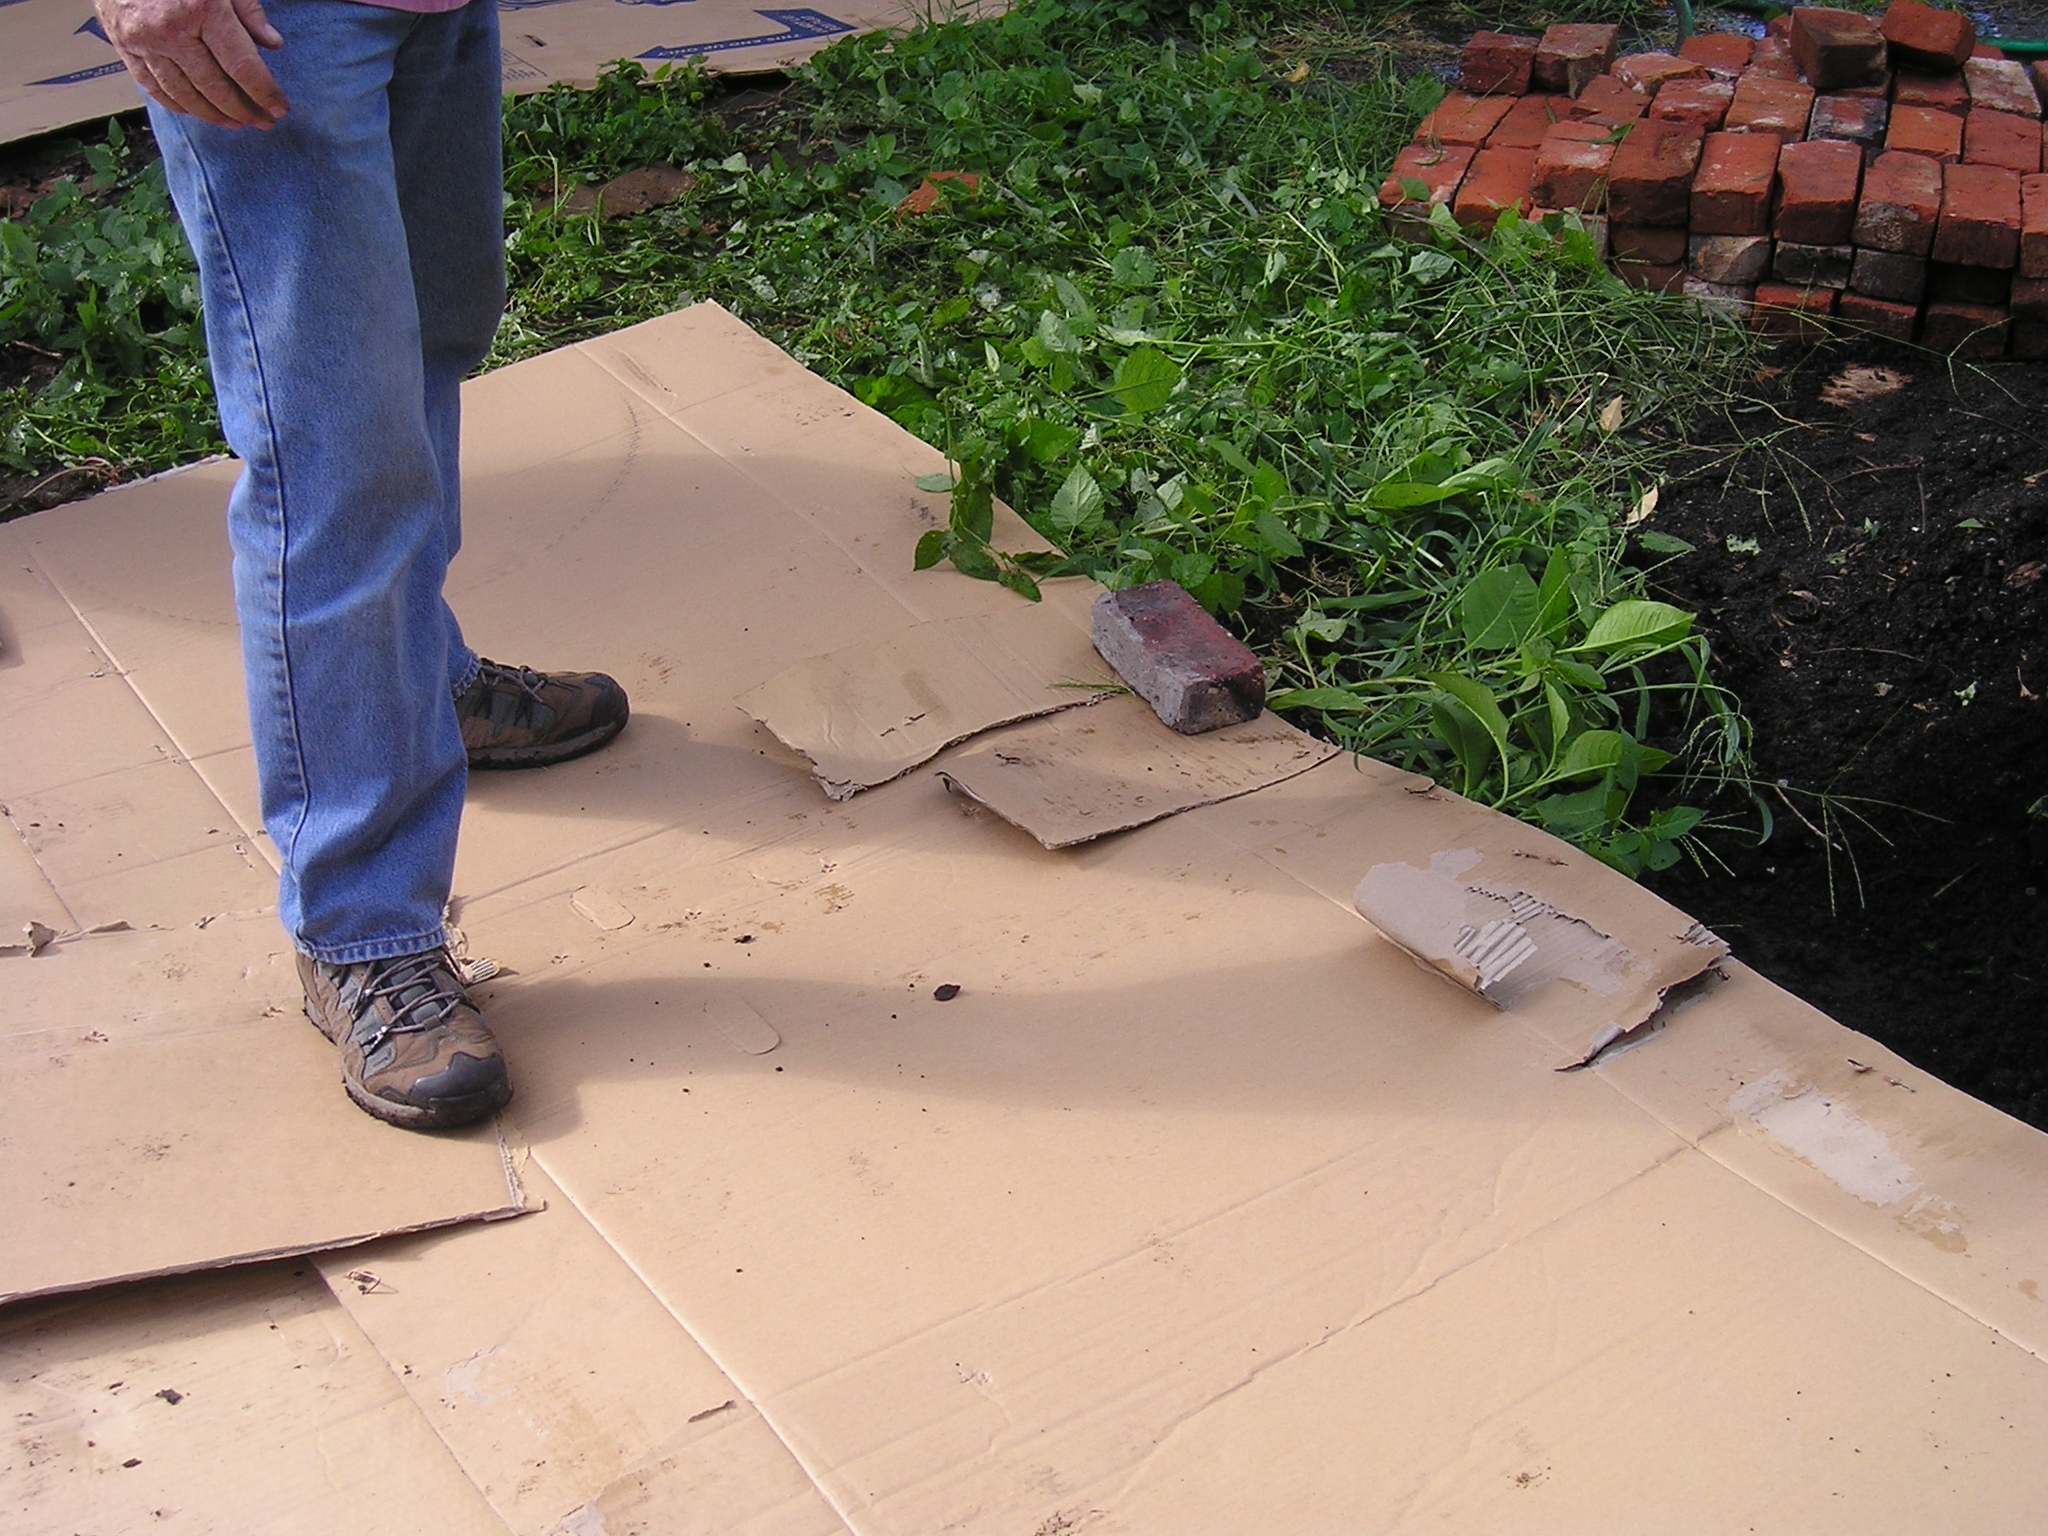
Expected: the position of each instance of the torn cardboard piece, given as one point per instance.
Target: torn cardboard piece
(871, 712)
(1115, 766)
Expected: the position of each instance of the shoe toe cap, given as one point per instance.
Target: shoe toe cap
(466, 1078)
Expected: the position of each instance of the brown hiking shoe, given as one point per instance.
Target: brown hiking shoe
(414, 1050)
(515, 717)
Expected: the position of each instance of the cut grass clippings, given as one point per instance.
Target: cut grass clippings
(1165, 321)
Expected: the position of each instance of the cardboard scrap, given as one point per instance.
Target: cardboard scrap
(1083, 775)
(868, 713)
(57, 67)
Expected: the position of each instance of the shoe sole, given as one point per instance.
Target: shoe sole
(445, 1115)
(545, 756)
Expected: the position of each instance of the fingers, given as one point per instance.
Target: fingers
(204, 75)
(232, 50)
(184, 96)
(250, 12)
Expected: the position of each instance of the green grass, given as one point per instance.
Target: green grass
(1171, 329)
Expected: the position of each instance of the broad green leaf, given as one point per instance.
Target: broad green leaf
(931, 549)
(1145, 380)
(1268, 484)
(1133, 267)
(1660, 543)
(1466, 737)
(1230, 454)
(1055, 336)
(1078, 502)
(1278, 537)
(1072, 300)
(1636, 624)
(974, 559)
(1336, 701)
(1048, 441)
(1400, 495)
(1477, 698)
(1592, 752)
(936, 482)
(1430, 265)
(1020, 582)
(1501, 608)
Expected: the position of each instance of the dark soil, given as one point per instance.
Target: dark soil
(1887, 640)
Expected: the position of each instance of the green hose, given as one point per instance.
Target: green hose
(2016, 47)
(1684, 20)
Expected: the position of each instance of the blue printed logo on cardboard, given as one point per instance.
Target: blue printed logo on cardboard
(795, 25)
(98, 72)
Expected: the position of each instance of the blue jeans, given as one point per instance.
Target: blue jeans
(352, 266)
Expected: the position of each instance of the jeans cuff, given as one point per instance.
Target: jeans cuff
(468, 676)
(377, 949)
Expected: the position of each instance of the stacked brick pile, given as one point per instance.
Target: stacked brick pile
(1885, 173)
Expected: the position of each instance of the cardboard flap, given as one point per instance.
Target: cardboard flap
(1114, 766)
(871, 712)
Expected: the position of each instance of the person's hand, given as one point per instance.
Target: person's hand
(199, 57)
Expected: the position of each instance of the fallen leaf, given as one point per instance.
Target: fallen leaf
(651, 186)
(928, 194)
(1297, 74)
(2025, 575)
(1853, 386)
(1610, 418)
(1644, 507)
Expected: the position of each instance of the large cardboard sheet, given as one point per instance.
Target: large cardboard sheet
(58, 69)
(1199, 1205)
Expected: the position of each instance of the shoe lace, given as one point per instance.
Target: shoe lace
(494, 674)
(420, 990)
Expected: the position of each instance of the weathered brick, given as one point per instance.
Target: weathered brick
(1738, 173)
(1738, 260)
(1703, 103)
(1725, 54)
(2029, 339)
(1817, 184)
(1607, 100)
(1658, 279)
(1772, 60)
(1656, 245)
(1880, 317)
(1941, 93)
(1968, 330)
(2029, 298)
(1764, 105)
(1901, 202)
(1573, 54)
(1812, 266)
(1858, 120)
(1985, 50)
(1731, 300)
(1951, 284)
(1648, 73)
(2038, 73)
(1878, 90)
(1195, 674)
(2002, 138)
(1439, 167)
(1782, 310)
(1924, 131)
(1498, 178)
(1496, 64)
(2034, 226)
(1779, 29)
(1528, 120)
(1890, 276)
(1836, 48)
(1922, 37)
(1571, 166)
(1980, 217)
(2001, 85)
(1463, 119)
(1650, 181)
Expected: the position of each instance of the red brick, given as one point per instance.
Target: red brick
(1659, 279)
(2001, 85)
(1725, 54)
(1656, 245)
(1607, 100)
(1980, 217)
(1836, 48)
(1571, 166)
(1650, 181)
(1951, 284)
(1499, 178)
(1901, 202)
(2038, 73)
(1878, 316)
(1765, 105)
(1987, 51)
(2002, 138)
(1779, 29)
(1924, 131)
(1922, 37)
(1439, 167)
(1728, 260)
(2034, 226)
(1573, 54)
(1817, 183)
(1889, 276)
(1944, 93)
(1878, 90)
(1703, 103)
(1496, 64)
(1812, 266)
(1782, 310)
(1528, 120)
(2029, 298)
(1968, 330)
(1462, 119)
(1773, 60)
(1195, 674)
(1860, 120)
(2029, 339)
(1731, 195)
(1649, 72)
